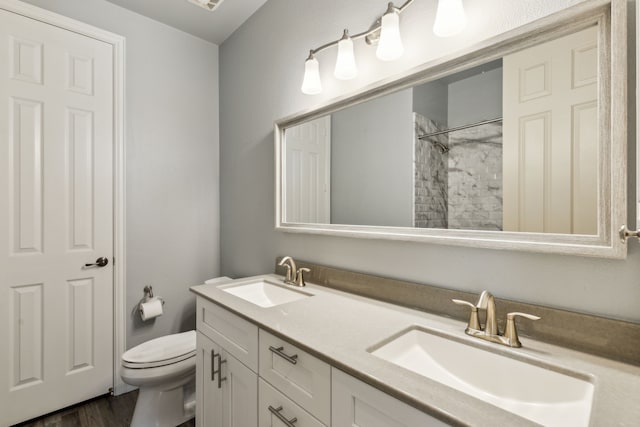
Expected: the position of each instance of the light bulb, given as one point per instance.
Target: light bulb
(311, 84)
(345, 62)
(390, 44)
(450, 18)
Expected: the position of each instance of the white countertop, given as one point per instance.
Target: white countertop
(339, 327)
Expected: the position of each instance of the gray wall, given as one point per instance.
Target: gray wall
(466, 97)
(261, 71)
(171, 157)
(431, 101)
(378, 191)
(475, 98)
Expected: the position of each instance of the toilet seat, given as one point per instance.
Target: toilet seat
(161, 351)
(157, 364)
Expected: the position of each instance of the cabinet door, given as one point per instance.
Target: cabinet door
(239, 387)
(226, 390)
(356, 404)
(208, 395)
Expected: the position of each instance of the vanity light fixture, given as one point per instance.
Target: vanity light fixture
(311, 85)
(210, 5)
(346, 68)
(450, 20)
(390, 44)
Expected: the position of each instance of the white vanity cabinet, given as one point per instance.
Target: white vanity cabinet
(356, 404)
(248, 377)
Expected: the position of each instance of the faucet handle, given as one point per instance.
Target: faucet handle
(513, 315)
(300, 275)
(510, 332)
(474, 321)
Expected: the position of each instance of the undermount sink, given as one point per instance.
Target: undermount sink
(265, 293)
(540, 394)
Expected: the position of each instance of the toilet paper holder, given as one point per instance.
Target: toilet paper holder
(148, 295)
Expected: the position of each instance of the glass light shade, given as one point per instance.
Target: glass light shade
(346, 62)
(450, 18)
(311, 84)
(390, 44)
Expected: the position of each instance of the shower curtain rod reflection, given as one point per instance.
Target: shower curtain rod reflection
(440, 132)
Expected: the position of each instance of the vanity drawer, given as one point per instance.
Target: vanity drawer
(271, 401)
(236, 335)
(303, 378)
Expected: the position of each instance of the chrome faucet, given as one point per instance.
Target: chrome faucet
(294, 276)
(490, 331)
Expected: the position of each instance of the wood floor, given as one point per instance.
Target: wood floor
(105, 411)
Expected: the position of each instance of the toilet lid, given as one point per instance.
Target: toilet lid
(166, 349)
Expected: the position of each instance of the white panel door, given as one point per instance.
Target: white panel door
(56, 143)
(550, 161)
(308, 160)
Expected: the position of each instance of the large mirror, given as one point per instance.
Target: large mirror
(508, 145)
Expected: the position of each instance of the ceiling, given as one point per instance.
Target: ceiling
(213, 26)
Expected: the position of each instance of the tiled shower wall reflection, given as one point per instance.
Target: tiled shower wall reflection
(475, 178)
(467, 194)
(430, 175)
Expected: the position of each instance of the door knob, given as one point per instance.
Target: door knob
(100, 262)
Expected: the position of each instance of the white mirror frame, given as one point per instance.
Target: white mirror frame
(611, 17)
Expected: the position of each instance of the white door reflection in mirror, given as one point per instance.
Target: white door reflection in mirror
(550, 145)
(308, 161)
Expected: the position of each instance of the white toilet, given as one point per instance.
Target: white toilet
(164, 371)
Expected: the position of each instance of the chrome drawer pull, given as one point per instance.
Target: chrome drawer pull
(276, 412)
(213, 365)
(291, 359)
(219, 370)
